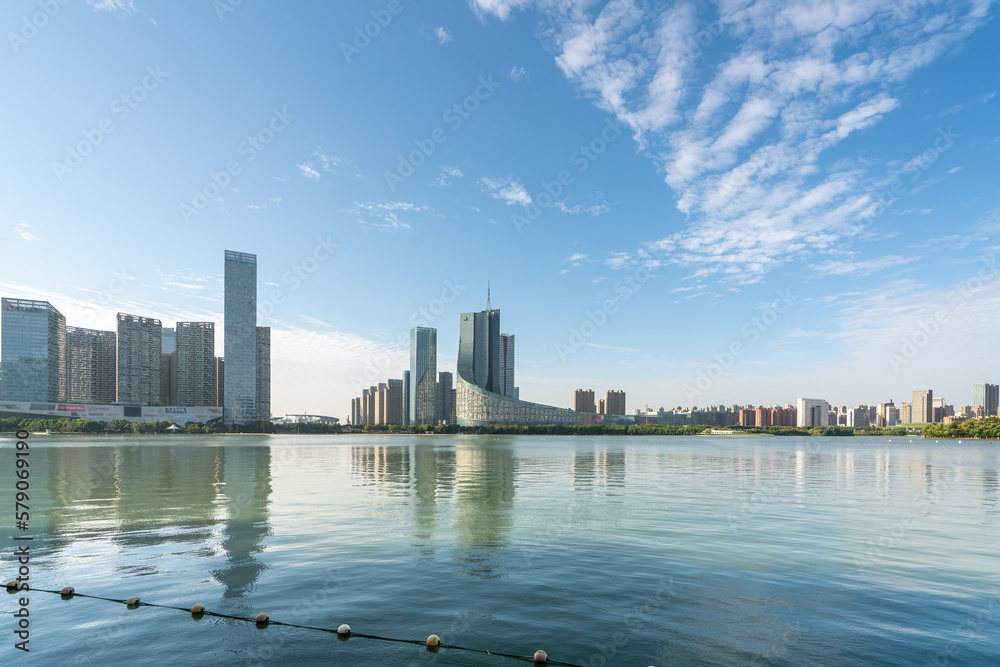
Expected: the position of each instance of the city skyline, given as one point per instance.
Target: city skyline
(797, 186)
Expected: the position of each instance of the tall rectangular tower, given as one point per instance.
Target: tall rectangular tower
(33, 349)
(138, 365)
(987, 396)
(423, 373)
(479, 349)
(263, 374)
(196, 363)
(406, 398)
(507, 365)
(240, 338)
(91, 365)
(583, 400)
(923, 406)
(614, 402)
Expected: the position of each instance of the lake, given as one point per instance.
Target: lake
(600, 550)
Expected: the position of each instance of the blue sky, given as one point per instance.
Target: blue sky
(698, 203)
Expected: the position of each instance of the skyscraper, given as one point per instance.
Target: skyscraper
(263, 374)
(987, 396)
(220, 382)
(507, 365)
(423, 372)
(33, 349)
(406, 398)
(138, 365)
(614, 402)
(442, 401)
(923, 406)
(195, 363)
(479, 349)
(91, 365)
(241, 337)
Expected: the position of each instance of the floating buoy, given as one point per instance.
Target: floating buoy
(262, 618)
(198, 609)
(345, 629)
(132, 600)
(69, 590)
(433, 640)
(541, 656)
(12, 585)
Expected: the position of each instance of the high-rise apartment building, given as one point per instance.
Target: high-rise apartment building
(423, 372)
(923, 406)
(986, 395)
(220, 382)
(91, 365)
(602, 407)
(240, 337)
(33, 351)
(263, 374)
(138, 364)
(812, 412)
(583, 400)
(506, 365)
(443, 408)
(614, 402)
(195, 363)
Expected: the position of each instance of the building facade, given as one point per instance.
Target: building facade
(406, 398)
(583, 401)
(479, 349)
(812, 412)
(986, 395)
(240, 331)
(220, 382)
(423, 373)
(263, 374)
(506, 365)
(922, 406)
(614, 402)
(138, 359)
(91, 365)
(443, 408)
(33, 350)
(195, 363)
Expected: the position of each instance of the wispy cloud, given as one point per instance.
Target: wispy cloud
(446, 175)
(308, 171)
(112, 5)
(864, 268)
(509, 190)
(516, 74)
(21, 229)
(442, 35)
(385, 216)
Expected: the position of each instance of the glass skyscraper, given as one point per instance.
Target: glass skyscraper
(479, 349)
(986, 395)
(240, 338)
(423, 374)
(506, 365)
(32, 351)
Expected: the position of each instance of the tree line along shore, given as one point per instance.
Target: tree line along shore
(987, 428)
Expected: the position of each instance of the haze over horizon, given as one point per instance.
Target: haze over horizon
(643, 185)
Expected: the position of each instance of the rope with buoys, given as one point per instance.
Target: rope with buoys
(433, 642)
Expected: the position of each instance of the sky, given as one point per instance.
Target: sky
(698, 203)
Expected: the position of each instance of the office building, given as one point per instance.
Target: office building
(138, 364)
(506, 365)
(614, 402)
(240, 332)
(220, 382)
(987, 396)
(922, 406)
(443, 408)
(812, 412)
(583, 401)
(423, 372)
(195, 363)
(263, 374)
(479, 349)
(406, 398)
(33, 351)
(91, 366)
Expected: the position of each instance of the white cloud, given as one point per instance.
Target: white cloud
(112, 5)
(499, 8)
(308, 171)
(21, 229)
(864, 268)
(516, 74)
(385, 216)
(442, 35)
(508, 190)
(446, 175)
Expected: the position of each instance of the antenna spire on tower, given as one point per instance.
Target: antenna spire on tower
(488, 304)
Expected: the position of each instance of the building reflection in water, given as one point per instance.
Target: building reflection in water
(149, 500)
(599, 469)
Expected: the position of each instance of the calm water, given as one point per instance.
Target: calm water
(603, 551)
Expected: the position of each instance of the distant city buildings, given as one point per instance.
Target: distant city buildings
(812, 412)
(922, 406)
(33, 349)
(614, 402)
(195, 363)
(583, 401)
(91, 365)
(986, 395)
